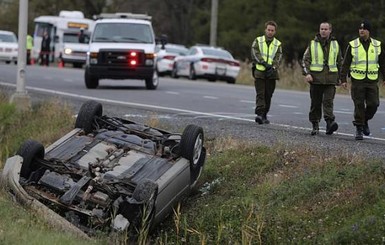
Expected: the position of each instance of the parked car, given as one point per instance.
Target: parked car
(165, 57)
(208, 62)
(8, 47)
(74, 51)
(112, 174)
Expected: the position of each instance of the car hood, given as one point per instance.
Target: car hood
(76, 46)
(8, 45)
(148, 48)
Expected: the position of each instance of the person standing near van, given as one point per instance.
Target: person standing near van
(321, 62)
(29, 48)
(45, 49)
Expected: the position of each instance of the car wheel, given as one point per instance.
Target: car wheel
(230, 80)
(90, 81)
(192, 75)
(152, 83)
(191, 148)
(8, 62)
(29, 151)
(87, 114)
(174, 72)
(146, 192)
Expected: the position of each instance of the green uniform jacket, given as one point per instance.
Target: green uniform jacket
(325, 76)
(256, 57)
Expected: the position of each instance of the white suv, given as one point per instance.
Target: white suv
(122, 46)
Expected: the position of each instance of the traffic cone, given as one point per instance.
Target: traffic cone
(60, 64)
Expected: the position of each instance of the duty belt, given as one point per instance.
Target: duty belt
(365, 72)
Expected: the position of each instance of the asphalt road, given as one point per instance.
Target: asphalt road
(222, 109)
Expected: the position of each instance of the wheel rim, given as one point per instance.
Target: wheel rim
(155, 79)
(197, 149)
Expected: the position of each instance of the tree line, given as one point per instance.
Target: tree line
(239, 22)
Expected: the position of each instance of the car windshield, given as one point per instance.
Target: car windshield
(7, 38)
(176, 50)
(73, 38)
(123, 33)
(217, 52)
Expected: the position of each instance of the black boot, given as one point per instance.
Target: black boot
(315, 129)
(258, 119)
(366, 129)
(265, 120)
(331, 126)
(359, 133)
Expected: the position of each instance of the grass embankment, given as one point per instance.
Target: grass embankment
(249, 194)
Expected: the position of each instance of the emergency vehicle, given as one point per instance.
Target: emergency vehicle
(56, 26)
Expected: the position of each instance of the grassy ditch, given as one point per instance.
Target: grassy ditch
(248, 194)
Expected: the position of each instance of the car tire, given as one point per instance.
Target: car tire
(192, 74)
(7, 62)
(86, 116)
(29, 151)
(152, 83)
(191, 148)
(146, 192)
(90, 81)
(174, 72)
(230, 80)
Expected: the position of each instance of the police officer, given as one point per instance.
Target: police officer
(321, 62)
(266, 54)
(29, 48)
(364, 59)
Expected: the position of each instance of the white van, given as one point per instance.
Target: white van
(56, 26)
(122, 46)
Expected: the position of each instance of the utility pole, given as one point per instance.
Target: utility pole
(21, 98)
(214, 23)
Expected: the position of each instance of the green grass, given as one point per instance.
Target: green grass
(248, 193)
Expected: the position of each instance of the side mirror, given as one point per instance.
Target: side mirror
(162, 40)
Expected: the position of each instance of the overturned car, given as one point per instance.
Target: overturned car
(112, 174)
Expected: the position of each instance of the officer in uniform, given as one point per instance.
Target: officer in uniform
(29, 48)
(364, 59)
(321, 62)
(266, 54)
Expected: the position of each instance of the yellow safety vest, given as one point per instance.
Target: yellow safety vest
(267, 52)
(365, 63)
(317, 56)
(29, 42)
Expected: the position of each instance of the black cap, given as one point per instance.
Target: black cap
(365, 25)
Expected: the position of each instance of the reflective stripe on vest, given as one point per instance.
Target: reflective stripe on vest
(267, 52)
(365, 63)
(317, 56)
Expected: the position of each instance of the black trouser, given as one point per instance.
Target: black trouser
(322, 98)
(44, 58)
(366, 100)
(264, 89)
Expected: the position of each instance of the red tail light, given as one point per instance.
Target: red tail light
(233, 63)
(209, 60)
(169, 57)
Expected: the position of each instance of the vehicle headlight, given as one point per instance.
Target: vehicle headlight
(93, 56)
(67, 51)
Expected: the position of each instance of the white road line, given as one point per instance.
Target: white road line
(210, 97)
(344, 112)
(288, 106)
(171, 92)
(79, 96)
(247, 101)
